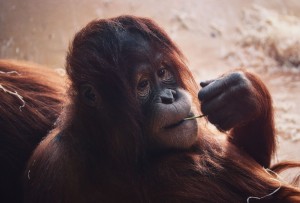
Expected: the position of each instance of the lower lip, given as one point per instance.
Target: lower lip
(175, 125)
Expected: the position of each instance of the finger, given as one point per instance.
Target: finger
(219, 85)
(211, 90)
(222, 120)
(214, 119)
(226, 122)
(214, 105)
(206, 82)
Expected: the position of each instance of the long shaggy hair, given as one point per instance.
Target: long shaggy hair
(31, 99)
(97, 154)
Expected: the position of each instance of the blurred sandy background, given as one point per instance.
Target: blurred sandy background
(215, 35)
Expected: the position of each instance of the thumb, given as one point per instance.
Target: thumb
(206, 82)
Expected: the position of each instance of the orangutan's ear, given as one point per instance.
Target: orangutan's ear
(89, 95)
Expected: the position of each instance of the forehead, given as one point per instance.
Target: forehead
(139, 52)
(135, 46)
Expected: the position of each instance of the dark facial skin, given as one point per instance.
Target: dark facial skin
(164, 103)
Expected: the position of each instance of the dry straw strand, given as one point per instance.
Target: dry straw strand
(15, 93)
(10, 73)
(272, 193)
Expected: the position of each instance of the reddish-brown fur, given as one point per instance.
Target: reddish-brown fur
(257, 138)
(101, 157)
(21, 129)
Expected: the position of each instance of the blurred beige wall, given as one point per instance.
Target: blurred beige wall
(40, 30)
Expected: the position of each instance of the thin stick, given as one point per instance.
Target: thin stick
(194, 117)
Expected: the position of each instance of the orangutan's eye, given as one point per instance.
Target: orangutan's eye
(143, 87)
(165, 74)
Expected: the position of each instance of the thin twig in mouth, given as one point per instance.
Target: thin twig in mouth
(193, 117)
(185, 119)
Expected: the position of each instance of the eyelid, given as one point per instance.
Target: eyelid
(144, 92)
(143, 81)
(140, 77)
(168, 75)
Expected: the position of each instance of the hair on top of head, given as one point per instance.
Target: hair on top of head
(105, 37)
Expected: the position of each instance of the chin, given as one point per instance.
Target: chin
(182, 135)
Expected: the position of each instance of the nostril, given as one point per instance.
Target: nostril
(167, 96)
(167, 100)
